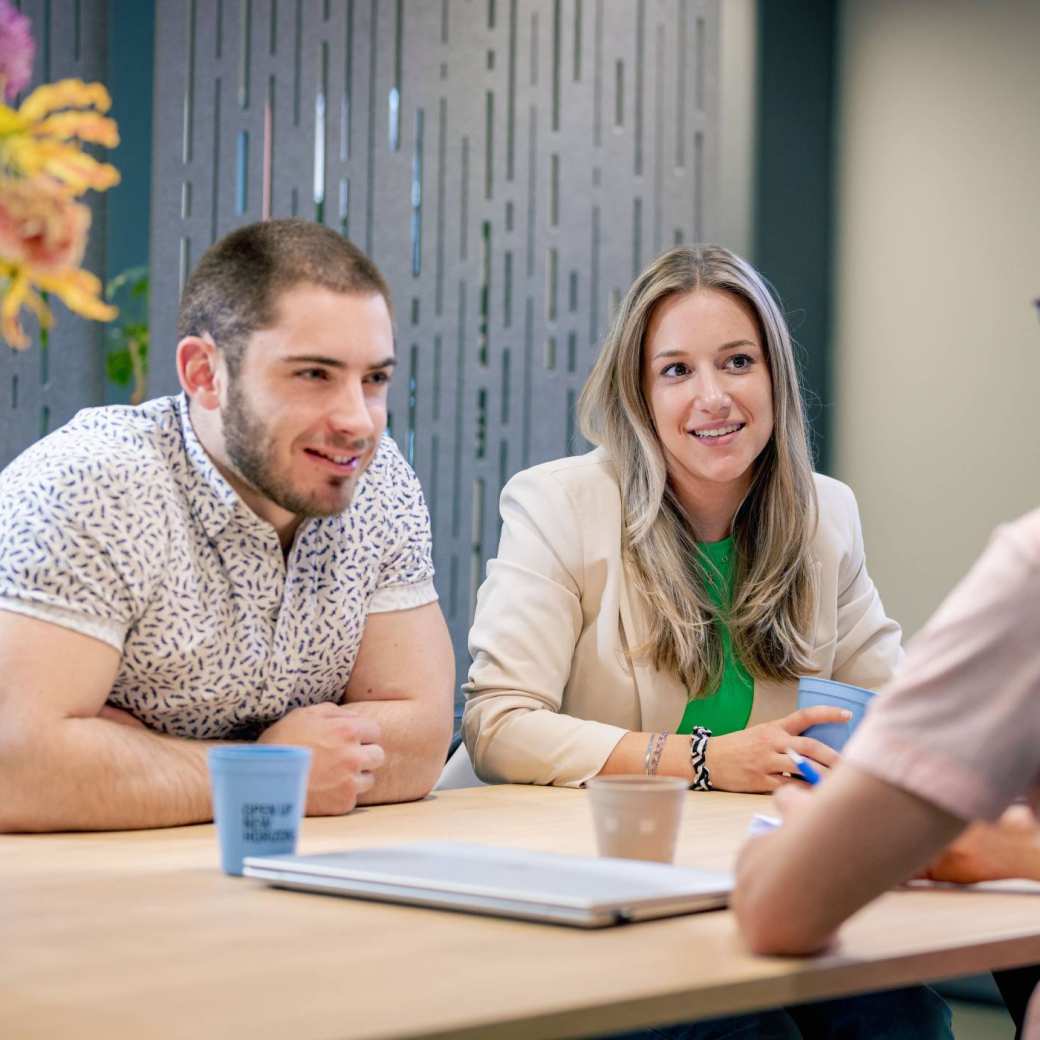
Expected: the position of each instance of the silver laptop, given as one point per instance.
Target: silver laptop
(538, 886)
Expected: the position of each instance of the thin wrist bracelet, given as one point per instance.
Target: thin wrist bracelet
(698, 758)
(654, 749)
(649, 753)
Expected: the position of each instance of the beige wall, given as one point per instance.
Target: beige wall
(937, 366)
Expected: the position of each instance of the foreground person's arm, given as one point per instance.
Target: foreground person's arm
(62, 767)
(403, 679)
(955, 738)
(796, 886)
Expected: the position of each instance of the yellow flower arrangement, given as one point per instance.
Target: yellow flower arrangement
(43, 136)
(43, 169)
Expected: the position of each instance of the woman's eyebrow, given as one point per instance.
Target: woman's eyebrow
(730, 345)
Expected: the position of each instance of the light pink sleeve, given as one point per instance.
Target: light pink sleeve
(959, 725)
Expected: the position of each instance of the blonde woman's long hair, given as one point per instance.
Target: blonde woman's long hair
(773, 601)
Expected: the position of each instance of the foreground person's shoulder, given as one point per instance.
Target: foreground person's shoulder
(1024, 535)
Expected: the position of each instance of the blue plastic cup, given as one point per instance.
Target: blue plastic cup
(813, 691)
(259, 791)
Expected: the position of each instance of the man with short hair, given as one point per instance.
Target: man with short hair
(250, 560)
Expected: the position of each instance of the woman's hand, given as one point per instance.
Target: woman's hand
(754, 759)
(1009, 848)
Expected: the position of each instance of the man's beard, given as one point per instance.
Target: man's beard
(248, 443)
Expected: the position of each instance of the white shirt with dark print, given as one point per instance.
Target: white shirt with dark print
(119, 526)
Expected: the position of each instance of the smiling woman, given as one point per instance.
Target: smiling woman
(706, 381)
(681, 577)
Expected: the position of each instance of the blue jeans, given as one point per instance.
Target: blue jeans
(915, 1013)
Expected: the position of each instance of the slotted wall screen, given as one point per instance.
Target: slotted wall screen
(44, 386)
(509, 164)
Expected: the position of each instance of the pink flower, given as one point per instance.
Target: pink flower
(41, 228)
(17, 50)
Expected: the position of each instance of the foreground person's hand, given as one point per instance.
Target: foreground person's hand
(755, 759)
(1009, 848)
(345, 753)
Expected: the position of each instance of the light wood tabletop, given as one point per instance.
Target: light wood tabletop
(139, 934)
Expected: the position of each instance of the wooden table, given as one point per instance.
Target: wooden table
(138, 934)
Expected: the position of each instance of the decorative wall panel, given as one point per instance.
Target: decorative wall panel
(509, 164)
(44, 386)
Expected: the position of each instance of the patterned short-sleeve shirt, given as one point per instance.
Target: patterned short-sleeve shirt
(119, 526)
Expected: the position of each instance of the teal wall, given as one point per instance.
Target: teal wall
(131, 53)
(794, 185)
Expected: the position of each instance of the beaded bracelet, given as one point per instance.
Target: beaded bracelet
(698, 758)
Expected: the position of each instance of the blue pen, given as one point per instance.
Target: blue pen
(808, 774)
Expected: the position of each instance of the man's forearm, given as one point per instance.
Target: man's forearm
(416, 744)
(93, 774)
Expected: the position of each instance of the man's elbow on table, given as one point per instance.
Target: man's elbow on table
(416, 749)
(404, 678)
(427, 738)
(424, 769)
(404, 785)
(21, 792)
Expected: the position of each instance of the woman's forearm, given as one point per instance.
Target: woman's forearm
(630, 756)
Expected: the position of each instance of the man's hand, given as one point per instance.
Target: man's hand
(345, 753)
(1009, 848)
(754, 759)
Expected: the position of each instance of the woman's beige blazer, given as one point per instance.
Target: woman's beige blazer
(551, 691)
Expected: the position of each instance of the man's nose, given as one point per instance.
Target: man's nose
(351, 416)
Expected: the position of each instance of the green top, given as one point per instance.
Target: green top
(729, 707)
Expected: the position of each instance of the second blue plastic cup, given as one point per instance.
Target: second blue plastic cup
(813, 691)
(259, 792)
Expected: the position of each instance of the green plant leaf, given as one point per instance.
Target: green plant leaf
(119, 368)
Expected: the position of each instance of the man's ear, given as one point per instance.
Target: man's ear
(200, 369)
